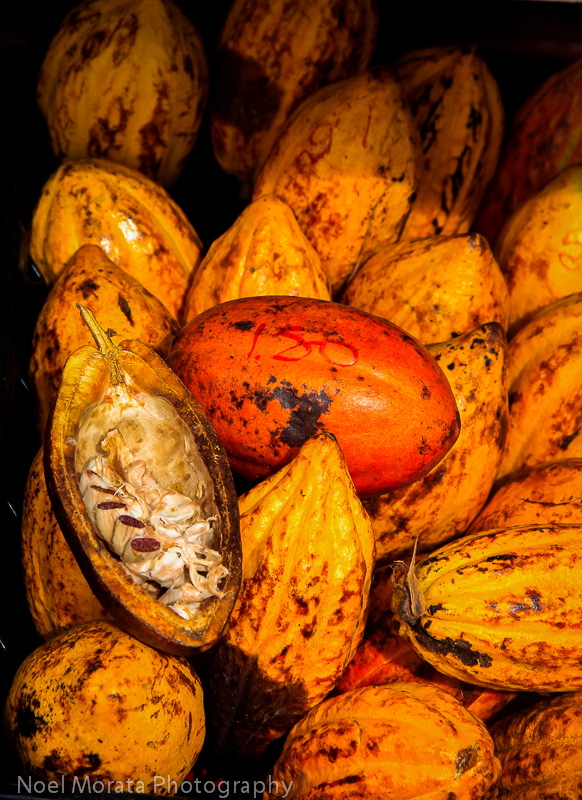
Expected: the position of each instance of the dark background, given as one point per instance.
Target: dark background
(522, 43)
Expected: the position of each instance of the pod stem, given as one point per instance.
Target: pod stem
(104, 344)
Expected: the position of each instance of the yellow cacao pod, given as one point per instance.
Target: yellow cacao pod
(271, 55)
(458, 110)
(127, 82)
(135, 221)
(347, 164)
(441, 505)
(264, 252)
(57, 593)
(540, 750)
(101, 706)
(497, 608)
(434, 288)
(405, 740)
(308, 555)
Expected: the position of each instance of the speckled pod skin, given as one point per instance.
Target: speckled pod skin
(264, 252)
(129, 309)
(540, 749)
(539, 248)
(347, 163)
(458, 110)
(127, 82)
(405, 740)
(434, 288)
(135, 221)
(308, 555)
(271, 55)
(544, 139)
(538, 495)
(544, 369)
(96, 703)
(441, 505)
(57, 593)
(270, 372)
(500, 608)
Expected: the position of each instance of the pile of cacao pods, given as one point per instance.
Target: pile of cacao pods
(303, 496)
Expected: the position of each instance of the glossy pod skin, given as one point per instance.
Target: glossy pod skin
(271, 371)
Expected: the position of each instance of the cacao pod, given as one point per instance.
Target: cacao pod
(57, 593)
(347, 164)
(457, 107)
(308, 555)
(365, 744)
(272, 371)
(264, 252)
(434, 288)
(136, 223)
(544, 360)
(127, 82)
(497, 608)
(543, 140)
(441, 505)
(539, 248)
(141, 488)
(131, 311)
(94, 704)
(271, 55)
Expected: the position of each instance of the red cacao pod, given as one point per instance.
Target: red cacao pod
(272, 371)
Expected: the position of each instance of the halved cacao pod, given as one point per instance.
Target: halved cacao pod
(127, 82)
(57, 593)
(308, 556)
(457, 107)
(142, 490)
(59, 330)
(96, 705)
(264, 252)
(405, 740)
(540, 750)
(347, 163)
(133, 219)
(540, 248)
(544, 371)
(440, 506)
(271, 55)
(538, 495)
(497, 608)
(434, 288)
(272, 371)
(544, 139)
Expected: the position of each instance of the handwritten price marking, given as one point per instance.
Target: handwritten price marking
(567, 260)
(306, 346)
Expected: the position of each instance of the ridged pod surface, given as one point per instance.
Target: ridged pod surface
(540, 248)
(540, 750)
(457, 107)
(308, 555)
(545, 137)
(57, 593)
(544, 371)
(127, 82)
(434, 288)
(405, 740)
(501, 609)
(135, 221)
(347, 163)
(441, 505)
(271, 55)
(96, 703)
(264, 252)
(538, 495)
(272, 371)
(131, 311)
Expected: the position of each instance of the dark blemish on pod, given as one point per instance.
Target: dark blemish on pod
(125, 308)
(243, 325)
